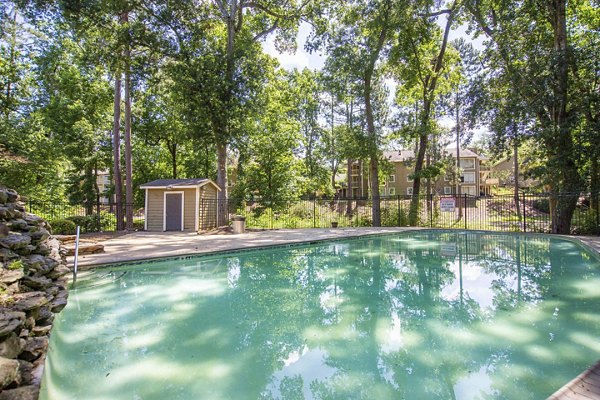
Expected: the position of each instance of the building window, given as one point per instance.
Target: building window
(469, 177)
(392, 178)
(409, 191)
(409, 178)
(447, 189)
(467, 163)
(392, 191)
(355, 178)
(470, 190)
(447, 177)
(355, 169)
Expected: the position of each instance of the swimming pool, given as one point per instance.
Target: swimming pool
(418, 315)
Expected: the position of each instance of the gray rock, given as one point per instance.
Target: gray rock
(41, 330)
(10, 321)
(9, 372)
(45, 316)
(3, 196)
(9, 276)
(13, 196)
(60, 270)
(57, 304)
(34, 348)
(30, 392)
(26, 250)
(34, 260)
(29, 301)
(42, 249)
(10, 347)
(6, 254)
(18, 225)
(36, 282)
(40, 235)
(16, 241)
(26, 371)
(4, 231)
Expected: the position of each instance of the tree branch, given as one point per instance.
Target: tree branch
(222, 8)
(266, 31)
(435, 13)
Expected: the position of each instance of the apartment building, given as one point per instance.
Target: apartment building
(474, 179)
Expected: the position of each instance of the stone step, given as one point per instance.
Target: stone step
(84, 248)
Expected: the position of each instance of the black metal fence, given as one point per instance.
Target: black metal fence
(95, 217)
(527, 213)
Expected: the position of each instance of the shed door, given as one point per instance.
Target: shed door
(173, 212)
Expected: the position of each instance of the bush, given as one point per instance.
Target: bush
(63, 227)
(542, 205)
(394, 217)
(138, 225)
(88, 223)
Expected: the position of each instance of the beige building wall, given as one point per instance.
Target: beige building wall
(399, 182)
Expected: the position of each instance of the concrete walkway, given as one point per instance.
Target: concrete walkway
(149, 245)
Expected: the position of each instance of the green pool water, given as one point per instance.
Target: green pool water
(425, 315)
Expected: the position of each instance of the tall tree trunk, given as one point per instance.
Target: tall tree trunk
(373, 156)
(430, 85)
(595, 184)
(128, 161)
(223, 132)
(222, 183)
(562, 141)
(117, 154)
(13, 53)
(457, 178)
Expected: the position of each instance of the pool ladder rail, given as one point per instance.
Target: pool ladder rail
(75, 260)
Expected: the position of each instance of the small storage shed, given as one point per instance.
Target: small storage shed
(180, 204)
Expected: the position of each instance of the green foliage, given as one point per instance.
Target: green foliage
(542, 205)
(63, 227)
(88, 223)
(17, 264)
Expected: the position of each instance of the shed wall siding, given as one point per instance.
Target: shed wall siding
(189, 209)
(155, 210)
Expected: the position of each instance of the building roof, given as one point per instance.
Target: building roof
(178, 183)
(404, 155)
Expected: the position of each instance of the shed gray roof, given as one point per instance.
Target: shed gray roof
(192, 182)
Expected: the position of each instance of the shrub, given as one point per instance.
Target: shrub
(63, 227)
(88, 223)
(394, 217)
(138, 225)
(542, 205)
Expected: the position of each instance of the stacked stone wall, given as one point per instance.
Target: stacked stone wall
(33, 287)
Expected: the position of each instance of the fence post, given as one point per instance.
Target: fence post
(524, 219)
(314, 213)
(431, 210)
(466, 213)
(398, 204)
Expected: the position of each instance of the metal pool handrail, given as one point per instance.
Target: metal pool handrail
(76, 255)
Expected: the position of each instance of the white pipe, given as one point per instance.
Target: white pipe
(76, 256)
